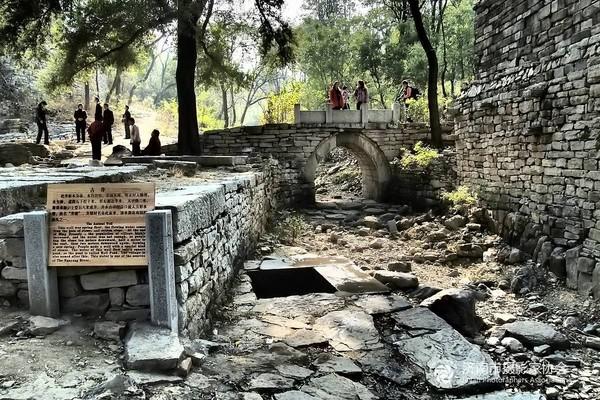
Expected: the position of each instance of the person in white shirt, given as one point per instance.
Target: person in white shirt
(136, 139)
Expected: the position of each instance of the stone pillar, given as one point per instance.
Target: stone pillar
(161, 269)
(396, 112)
(41, 280)
(364, 113)
(297, 119)
(328, 114)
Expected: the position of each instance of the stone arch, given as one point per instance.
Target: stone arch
(373, 163)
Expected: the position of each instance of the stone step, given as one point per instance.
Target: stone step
(205, 161)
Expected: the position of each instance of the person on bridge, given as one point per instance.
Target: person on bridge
(346, 97)
(335, 97)
(109, 120)
(409, 93)
(80, 123)
(154, 146)
(361, 94)
(135, 139)
(125, 121)
(41, 114)
(97, 131)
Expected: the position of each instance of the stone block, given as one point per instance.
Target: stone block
(584, 283)
(69, 286)
(12, 251)
(116, 296)
(119, 314)
(109, 279)
(571, 257)
(109, 330)
(7, 289)
(11, 226)
(585, 264)
(556, 264)
(152, 348)
(88, 303)
(596, 282)
(138, 295)
(14, 274)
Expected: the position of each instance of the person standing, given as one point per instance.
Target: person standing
(80, 123)
(346, 97)
(125, 121)
(408, 93)
(136, 139)
(42, 124)
(109, 120)
(98, 112)
(335, 97)
(361, 94)
(96, 132)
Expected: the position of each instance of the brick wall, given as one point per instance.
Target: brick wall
(528, 129)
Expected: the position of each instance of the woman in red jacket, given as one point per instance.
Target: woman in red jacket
(335, 97)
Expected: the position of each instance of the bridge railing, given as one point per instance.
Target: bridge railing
(350, 117)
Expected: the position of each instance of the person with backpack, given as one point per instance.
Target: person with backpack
(361, 94)
(42, 124)
(408, 93)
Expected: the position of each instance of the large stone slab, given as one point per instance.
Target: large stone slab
(109, 279)
(448, 361)
(505, 395)
(349, 330)
(457, 307)
(207, 161)
(382, 304)
(534, 333)
(152, 348)
(336, 387)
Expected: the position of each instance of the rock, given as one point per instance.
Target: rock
(377, 243)
(504, 318)
(336, 387)
(109, 330)
(294, 395)
(334, 237)
(552, 393)
(437, 236)
(116, 314)
(348, 330)
(109, 279)
(384, 364)
(152, 348)
(537, 307)
(424, 291)
(474, 227)
(455, 222)
(557, 262)
(41, 326)
(571, 322)
(63, 155)
(513, 345)
(294, 371)
(542, 350)
(7, 289)
(37, 150)
(268, 381)
(87, 303)
(112, 388)
(399, 266)
(68, 286)
(184, 367)
(506, 395)
(149, 378)
(6, 327)
(592, 343)
(397, 280)
(16, 154)
(364, 232)
(533, 333)
(14, 274)
(116, 158)
(515, 256)
(327, 362)
(117, 296)
(370, 222)
(392, 227)
(457, 307)
(138, 295)
(382, 304)
(304, 337)
(442, 354)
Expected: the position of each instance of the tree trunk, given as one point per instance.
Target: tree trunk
(432, 81)
(144, 79)
(224, 105)
(114, 88)
(187, 54)
(86, 90)
(97, 84)
(445, 60)
(233, 111)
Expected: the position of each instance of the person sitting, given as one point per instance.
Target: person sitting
(154, 147)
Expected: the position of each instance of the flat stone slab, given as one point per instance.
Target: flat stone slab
(268, 381)
(504, 395)
(382, 304)
(149, 378)
(336, 387)
(151, 348)
(349, 330)
(327, 362)
(206, 161)
(448, 361)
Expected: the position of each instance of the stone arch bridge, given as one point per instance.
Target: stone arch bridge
(300, 147)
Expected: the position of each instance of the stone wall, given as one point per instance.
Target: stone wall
(215, 226)
(528, 130)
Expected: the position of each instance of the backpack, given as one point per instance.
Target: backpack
(415, 93)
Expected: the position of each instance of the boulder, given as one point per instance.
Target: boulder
(424, 291)
(397, 280)
(40, 326)
(109, 330)
(455, 222)
(138, 295)
(37, 150)
(399, 266)
(116, 158)
(371, 222)
(152, 348)
(457, 307)
(15, 154)
(534, 333)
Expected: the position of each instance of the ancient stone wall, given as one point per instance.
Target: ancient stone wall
(528, 129)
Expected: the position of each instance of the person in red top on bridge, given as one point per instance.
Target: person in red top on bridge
(335, 97)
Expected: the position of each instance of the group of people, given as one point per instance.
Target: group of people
(100, 130)
(339, 98)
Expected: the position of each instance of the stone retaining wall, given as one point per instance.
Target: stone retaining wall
(528, 130)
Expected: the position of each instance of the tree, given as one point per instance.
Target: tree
(96, 30)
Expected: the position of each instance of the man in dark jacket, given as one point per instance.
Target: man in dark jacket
(109, 120)
(40, 119)
(125, 121)
(80, 123)
(98, 112)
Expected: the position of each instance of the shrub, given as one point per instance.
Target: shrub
(290, 228)
(462, 196)
(420, 157)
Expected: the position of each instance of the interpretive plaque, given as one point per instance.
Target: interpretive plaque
(100, 224)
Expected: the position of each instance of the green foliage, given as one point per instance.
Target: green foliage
(462, 196)
(420, 157)
(418, 109)
(346, 175)
(290, 228)
(280, 106)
